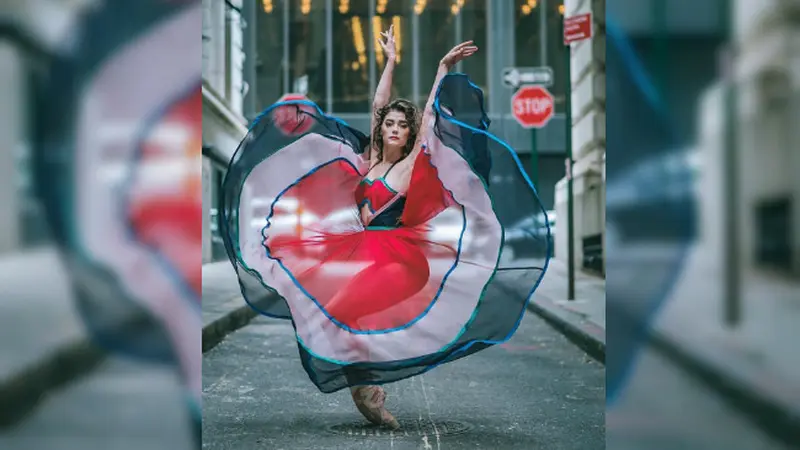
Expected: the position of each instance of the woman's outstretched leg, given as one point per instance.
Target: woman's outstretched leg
(370, 401)
(366, 294)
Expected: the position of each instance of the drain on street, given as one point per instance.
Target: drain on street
(408, 427)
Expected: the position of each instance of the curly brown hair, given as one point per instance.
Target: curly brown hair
(412, 117)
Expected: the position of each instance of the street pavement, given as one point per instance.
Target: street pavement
(538, 391)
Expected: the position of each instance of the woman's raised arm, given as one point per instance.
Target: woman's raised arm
(383, 92)
(458, 53)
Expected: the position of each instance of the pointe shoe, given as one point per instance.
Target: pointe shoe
(370, 403)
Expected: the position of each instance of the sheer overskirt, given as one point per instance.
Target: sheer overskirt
(375, 305)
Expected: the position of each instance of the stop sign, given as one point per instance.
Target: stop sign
(532, 106)
(292, 119)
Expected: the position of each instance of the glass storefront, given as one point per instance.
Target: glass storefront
(270, 28)
(307, 48)
(529, 41)
(473, 27)
(350, 47)
(333, 57)
(437, 31)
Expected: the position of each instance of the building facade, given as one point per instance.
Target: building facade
(588, 82)
(763, 127)
(226, 32)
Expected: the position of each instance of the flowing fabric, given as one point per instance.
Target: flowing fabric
(428, 279)
(117, 155)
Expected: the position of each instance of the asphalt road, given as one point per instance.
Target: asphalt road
(538, 391)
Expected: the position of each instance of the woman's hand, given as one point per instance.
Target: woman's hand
(458, 53)
(388, 46)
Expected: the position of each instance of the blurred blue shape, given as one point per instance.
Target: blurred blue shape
(650, 200)
(115, 131)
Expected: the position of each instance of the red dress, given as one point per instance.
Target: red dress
(422, 280)
(393, 248)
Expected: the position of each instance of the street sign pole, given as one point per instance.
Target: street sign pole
(534, 160)
(542, 63)
(732, 272)
(570, 199)
(575, 28)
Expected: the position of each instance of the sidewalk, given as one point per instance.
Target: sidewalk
(757, 364)
(224, 308)
(582, 320)
(43, 344)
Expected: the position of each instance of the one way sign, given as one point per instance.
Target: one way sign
(513, 77)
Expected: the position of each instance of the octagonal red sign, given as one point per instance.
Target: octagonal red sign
(533, 106)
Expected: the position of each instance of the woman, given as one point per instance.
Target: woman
(383, 251)
(394, 146)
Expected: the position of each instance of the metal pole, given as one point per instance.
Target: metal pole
(659, 54)
(415, 58)
(371, 49)
(543, 63)
(732, 288)
(286, 83)
(543, 32)
(534, 160)
(13, 126)
(570, 199)
(250, 14)
(491, 65)
(458, 38)
(329, 56)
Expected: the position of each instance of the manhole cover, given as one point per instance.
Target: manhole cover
(408, 427)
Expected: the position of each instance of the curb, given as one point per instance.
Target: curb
(215, 332)
(21, 393)
(581, 332)
(757, 397)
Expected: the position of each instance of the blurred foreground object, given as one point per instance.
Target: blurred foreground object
(116, 136)
(706, 225)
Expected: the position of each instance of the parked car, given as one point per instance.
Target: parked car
(526, 238)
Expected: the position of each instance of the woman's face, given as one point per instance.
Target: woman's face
(395, 129)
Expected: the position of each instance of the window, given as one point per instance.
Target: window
(557, 53)
(206, 38)
(528, 39)
(234, 55)
(437, 26)
(398, 13)
(351, 44)
(294, 41)
(269, 60)
(774, 233)
(307, 49)
(217, 175)
(473, 27)
(214, 44)
(527, 33)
